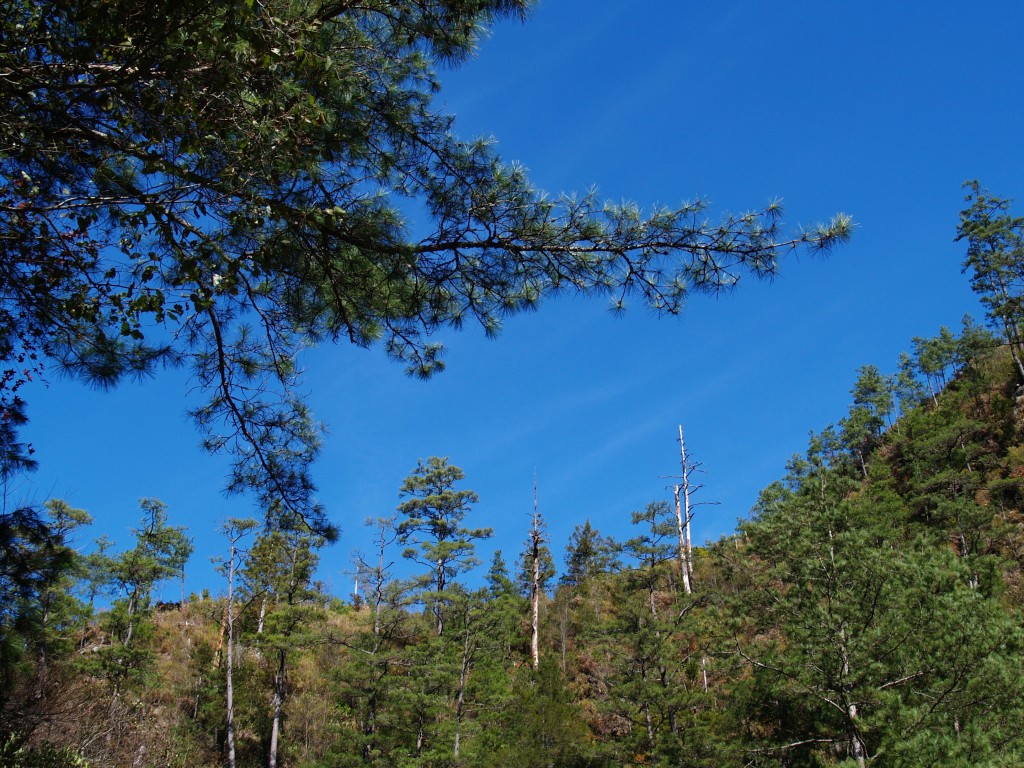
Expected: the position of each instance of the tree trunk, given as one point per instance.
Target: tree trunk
(856, 746)
(1012, 335)
(460, 699)
(650, 726)
(687, 509)
(378, 586)
(386, 527)
(536, 540)
(684, 568)
(535, 612)
(438, 611)
(229, 662)
(931, 389)
(132, 605)
(263, 614)
(563, 631)
(370, 726)
(278, 704)
(220, 638)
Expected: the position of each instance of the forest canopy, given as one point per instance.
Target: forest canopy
(221, 184)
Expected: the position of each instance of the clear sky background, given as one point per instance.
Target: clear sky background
(877, 109)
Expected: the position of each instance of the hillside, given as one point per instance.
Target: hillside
(867, 613)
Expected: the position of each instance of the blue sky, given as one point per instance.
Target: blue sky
(877, 109)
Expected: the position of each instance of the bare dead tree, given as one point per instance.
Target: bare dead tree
(536, 543)
(234, 529)
(683, 493)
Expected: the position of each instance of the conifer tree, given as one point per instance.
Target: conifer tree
(995, 260)
(160, 553)
(281, 565)
(542, 726)
(654, 545)
(872, 406)
(907, 388)
(367, 693)
(973, 343)
(587, 554)
(434, 511)
(38, 566)
(506, 607)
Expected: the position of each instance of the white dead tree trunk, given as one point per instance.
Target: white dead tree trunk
(683, 493)
(229, 659)
(681, 524)
(278, 707)
(536, 542)
(376, 577)
(235, 530)
(687, 508)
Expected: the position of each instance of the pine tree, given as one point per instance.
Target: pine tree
(542, 726)
(38, 612)
(587, 554)
(160, 553)
(434, 512)
(281, 565)
(908, 390)
(995, 260)
(366, 689)
(872, 406)
(506, 607)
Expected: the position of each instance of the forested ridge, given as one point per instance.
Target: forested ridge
(868, 613)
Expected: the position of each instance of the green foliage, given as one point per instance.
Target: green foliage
(861, 616)
(278, 577)
(865, 633)
(15, 456)
(13, 755)
(995, 260)
(160, 553)
(872, 406)
(434, 511)
(541, 726)
(587, 554)
(656, 544)
(222, 184)
(908, 391)
(38, 567)
(546, 568)
(507, 607)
